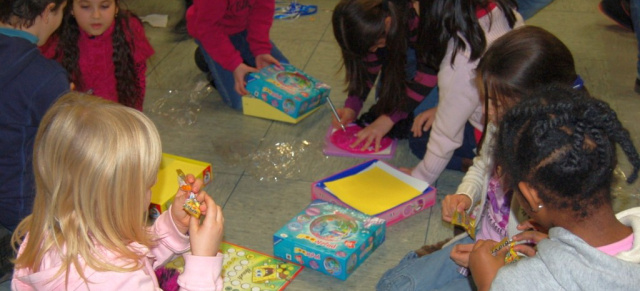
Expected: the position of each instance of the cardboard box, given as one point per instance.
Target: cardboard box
(256, 107)
(287, 89)
(329, 238)
(394, 213)
(165, 189)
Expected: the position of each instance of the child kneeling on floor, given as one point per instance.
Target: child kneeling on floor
(95, 162)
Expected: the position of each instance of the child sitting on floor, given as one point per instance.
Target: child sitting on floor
(105, 50)
(508, 73)
(95, 162)
(558, 149)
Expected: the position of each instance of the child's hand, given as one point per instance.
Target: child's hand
(206, 237)
(406, 170)
(531, 225)
(423, 121)
(238, 76)
(530, 238)
(265, 60)
(347, 115)
(483, 265)
(373, 133)
(453, 203)
(460, 254)
(180, 216)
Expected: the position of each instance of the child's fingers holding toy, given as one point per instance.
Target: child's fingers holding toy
(483, 264)
(453, 203)
(238, 76)
(265, 60)
(187, 200)
(205, 238)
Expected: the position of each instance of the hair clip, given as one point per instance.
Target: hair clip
(578, 83)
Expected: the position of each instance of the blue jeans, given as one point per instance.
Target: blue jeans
(528, 8)
(635, 19)
(418, 145)
(223, 79)
(435, 271)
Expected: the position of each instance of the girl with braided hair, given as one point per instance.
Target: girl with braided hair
(558, 149)
(105, 50)
(513, 67)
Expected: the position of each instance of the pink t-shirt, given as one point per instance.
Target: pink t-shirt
(617, 247)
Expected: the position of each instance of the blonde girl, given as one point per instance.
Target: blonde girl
(95, 162)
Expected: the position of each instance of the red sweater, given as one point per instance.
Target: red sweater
(212, 22)
(95, 60)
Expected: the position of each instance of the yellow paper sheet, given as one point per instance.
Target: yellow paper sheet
(373, 191)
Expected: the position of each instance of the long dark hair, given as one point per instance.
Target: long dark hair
(455, 20)
(127, 81)
(521, 60)
(357, 26)
(563, 143)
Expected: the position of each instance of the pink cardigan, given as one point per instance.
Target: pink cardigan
(200, 273)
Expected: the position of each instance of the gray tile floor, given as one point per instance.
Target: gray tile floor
(261, 186)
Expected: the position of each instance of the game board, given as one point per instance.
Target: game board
(246, 269)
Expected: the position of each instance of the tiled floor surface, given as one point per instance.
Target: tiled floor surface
(261, 185)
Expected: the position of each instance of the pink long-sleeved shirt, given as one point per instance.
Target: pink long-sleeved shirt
(200, 273)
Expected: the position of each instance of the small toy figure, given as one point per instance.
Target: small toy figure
(191, 205)
(465, 221)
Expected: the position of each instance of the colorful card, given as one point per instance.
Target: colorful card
(246, 269)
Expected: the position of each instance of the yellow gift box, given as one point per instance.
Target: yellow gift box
(165, 189)
(256, 107)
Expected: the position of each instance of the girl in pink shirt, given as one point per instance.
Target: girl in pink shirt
(95, 162)
(105, 50)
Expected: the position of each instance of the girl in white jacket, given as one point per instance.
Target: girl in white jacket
(513, 66)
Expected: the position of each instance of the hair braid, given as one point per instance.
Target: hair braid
(127, 79)
(562, 142)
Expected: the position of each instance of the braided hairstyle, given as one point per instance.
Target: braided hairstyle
(127, 80)
(562, 142)
(357, 26)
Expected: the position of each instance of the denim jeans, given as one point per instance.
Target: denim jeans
(223, 79)
(435, 271)
(528, 8)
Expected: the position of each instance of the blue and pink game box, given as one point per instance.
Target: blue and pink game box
(288, 89)
(329, 238)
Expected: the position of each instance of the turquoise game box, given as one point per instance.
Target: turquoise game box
(329, 238)
(288, 89)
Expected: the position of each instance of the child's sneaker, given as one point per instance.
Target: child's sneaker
(613, 9)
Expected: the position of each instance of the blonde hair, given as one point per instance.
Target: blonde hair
(94, 161)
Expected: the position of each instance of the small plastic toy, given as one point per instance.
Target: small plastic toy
(191, 205)
(512, 255)
(466, 222)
